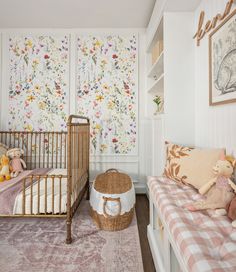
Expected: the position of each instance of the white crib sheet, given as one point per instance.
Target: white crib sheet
(18, 201)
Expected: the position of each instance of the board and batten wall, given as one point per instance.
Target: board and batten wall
(134, 165)
(215, 126)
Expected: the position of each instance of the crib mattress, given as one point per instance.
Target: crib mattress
(11, 195)
(206, 243)
(51, 205)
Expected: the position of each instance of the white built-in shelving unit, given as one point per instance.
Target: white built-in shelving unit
(155, 73)
(157, 68)
(157, 86)
(169, 74)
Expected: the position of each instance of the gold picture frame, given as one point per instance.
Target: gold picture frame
(222, 62)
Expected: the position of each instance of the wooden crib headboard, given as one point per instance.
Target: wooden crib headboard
(50, 149)
(41, 149)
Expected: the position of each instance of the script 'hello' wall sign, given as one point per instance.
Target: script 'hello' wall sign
(211, 24)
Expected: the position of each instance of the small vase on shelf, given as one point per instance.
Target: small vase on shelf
(159, 104)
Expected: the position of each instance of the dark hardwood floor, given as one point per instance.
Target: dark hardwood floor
(142, 212)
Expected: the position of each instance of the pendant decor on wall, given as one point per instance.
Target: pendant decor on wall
(38, 82)
(211, 24)
(222, 47)
(107, 91)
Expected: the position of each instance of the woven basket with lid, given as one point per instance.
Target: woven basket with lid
(112, 200)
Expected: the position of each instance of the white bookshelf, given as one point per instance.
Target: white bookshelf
(157, 69)
(158, 33)
(158, 86)
(170, 76)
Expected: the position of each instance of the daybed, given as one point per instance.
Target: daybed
(57, 175)
(181, 240)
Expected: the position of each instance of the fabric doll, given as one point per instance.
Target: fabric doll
(16, 161)
(4, 168)
(219, 191)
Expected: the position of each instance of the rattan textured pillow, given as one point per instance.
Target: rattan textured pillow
(188, 165)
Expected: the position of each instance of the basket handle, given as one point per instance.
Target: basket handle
(112, 170)
(105, 203)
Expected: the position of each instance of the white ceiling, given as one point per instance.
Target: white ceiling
(182, 5)
(75, 13)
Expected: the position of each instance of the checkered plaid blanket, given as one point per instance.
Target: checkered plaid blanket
(206, 243)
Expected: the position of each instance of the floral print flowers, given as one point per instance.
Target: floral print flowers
(38, 89)
(106, 87)
(106, 91)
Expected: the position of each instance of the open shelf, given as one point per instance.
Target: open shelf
(157, 86)
(158, 116)
(154, 117)
(158, 67)
(158, 34)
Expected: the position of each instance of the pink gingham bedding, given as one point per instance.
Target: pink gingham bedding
(206, 243)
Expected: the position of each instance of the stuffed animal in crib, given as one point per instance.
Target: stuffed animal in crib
(16, 161)
(4, 168)
(220, 190)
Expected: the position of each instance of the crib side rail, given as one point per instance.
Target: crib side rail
(41, 149)
(42, 195)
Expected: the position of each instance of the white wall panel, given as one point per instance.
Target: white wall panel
(179, 77)
(215, 125)
(137, 166)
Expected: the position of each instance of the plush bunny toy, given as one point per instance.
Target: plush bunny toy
(16, 161)
(220, 190)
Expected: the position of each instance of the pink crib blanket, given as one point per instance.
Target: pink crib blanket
(11, 188)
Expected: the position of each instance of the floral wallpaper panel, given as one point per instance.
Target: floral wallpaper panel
(106, 91)
(38, 82)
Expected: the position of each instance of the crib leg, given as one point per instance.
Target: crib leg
(68, 232)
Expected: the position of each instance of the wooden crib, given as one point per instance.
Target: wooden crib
(44, 193)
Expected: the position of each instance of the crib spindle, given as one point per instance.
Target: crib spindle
(38, 194)
(53, 177)
(23, 198)
(46, 193)
(31, 149)
(31, 194)
(40, 142)
(60, 177)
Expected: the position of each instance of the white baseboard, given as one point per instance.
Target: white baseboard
(140, 188)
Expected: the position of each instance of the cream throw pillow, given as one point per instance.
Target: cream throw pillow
(190, 165)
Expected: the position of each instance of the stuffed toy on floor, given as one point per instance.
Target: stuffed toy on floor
(220, 190)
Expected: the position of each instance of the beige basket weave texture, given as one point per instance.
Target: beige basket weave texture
(112, 182)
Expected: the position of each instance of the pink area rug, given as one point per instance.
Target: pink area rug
(37, 245)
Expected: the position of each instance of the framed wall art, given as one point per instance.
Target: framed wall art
(222, 62)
